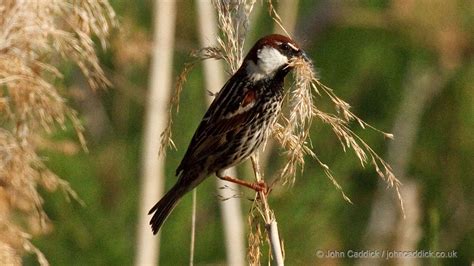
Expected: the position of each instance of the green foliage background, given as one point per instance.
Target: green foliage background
(366, 63)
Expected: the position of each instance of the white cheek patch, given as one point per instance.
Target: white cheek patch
(270, 60)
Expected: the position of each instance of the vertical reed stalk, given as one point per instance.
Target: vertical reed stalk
(152, 183)
(214, 80)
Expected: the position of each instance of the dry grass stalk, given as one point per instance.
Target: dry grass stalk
(233, 21)
(276, 18)
(262, 207)
(255, 239)
(34, 36)
(167, 134)
(292, 130)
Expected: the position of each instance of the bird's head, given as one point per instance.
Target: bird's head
(271, 56)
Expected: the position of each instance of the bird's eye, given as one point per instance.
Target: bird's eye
(289, 47)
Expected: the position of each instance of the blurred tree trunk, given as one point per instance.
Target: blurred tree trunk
(156, 115)
(214, 79)
(387, 230)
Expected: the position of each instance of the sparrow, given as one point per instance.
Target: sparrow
(237, 122)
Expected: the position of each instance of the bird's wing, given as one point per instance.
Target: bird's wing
(228, 112)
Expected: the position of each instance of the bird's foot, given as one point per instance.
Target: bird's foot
(260, 186)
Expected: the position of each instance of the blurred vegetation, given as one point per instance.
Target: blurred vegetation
(364, 50)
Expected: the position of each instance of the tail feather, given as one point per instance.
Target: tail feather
(163, 208)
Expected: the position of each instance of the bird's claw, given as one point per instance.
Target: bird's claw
(261, 186)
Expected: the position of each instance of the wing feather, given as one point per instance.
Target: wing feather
(228, 112)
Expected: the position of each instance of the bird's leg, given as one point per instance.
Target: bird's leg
(258, 174)
(259, 186)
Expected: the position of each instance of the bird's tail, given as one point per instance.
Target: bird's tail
(164, 207)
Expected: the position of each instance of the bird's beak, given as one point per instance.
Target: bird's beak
(305, 57)
(302, 54)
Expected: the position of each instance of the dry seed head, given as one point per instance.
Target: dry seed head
(255, 238)
(35, 35)
(292, 130)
